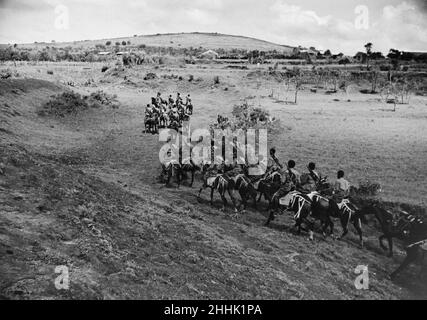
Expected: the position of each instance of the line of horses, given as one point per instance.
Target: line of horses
(283, 196)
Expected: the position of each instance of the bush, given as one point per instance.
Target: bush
(104, 68)
(123, 43)
(50, 72)
(367, 189)
(71, 103)
(99, 98)
(216, 80)
(150, 76)
(63, 104)
(108, 43)
(190, 78)
(5, 74)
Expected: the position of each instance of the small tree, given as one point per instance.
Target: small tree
(368, 48)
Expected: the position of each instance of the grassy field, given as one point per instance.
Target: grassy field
(81, 190)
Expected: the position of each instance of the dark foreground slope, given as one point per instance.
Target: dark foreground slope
(122, 238)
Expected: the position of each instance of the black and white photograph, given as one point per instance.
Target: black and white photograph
(197, 151)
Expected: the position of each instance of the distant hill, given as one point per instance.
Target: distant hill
(182, 40)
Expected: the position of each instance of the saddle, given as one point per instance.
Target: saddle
(343, 204)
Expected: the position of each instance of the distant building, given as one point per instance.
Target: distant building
(210, 54)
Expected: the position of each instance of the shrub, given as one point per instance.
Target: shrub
(123, 43)
(49, 72)
(5, 74)
(108, 43)
(63, 104)
(71, 103)
(99, 98)
(150, 76)
(104, 68)
(216, 80)
(190, 78)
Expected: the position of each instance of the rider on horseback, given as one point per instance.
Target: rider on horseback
(311, 179)
(273, 161)
(294, 175)
(341, 187)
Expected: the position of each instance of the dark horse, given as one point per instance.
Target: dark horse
(223, 184)
(296, 202)
(172, 169)
(324, 209)
(152, 123)
(268, 186)
(390, 227)
(246, 190)
(406, 227)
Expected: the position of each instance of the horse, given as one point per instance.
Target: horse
(416, 242)
(324, 209)
(189, 166)
(390, 227)
(268, 186)
(220, 182)
(300, 205)
(163, 119)
(151, 123)
(171, 169)
(246, 190)
(414, 251)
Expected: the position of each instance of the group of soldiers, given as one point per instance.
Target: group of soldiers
(170, 113)
(308, 182)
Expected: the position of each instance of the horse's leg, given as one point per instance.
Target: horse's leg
(255, 202)
(390, 246)
(411, 256)
(260, 196)
(192, 178)
(310, 229)
(344, 226)
(358, 226)
(212, 192)
(200, 191)
(243, 197)
(169, 174)
(224, 201)
(381, 241)
(233, 199)
(270, 218)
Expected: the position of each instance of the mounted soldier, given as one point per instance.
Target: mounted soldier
(294, 175)
(310, 180)
(341, 187)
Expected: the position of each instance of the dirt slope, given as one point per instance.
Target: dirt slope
(62, 202)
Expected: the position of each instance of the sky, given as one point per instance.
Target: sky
(339, 25)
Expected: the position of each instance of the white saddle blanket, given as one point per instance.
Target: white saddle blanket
(210, 181)
(287, 200)
(343, 204)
